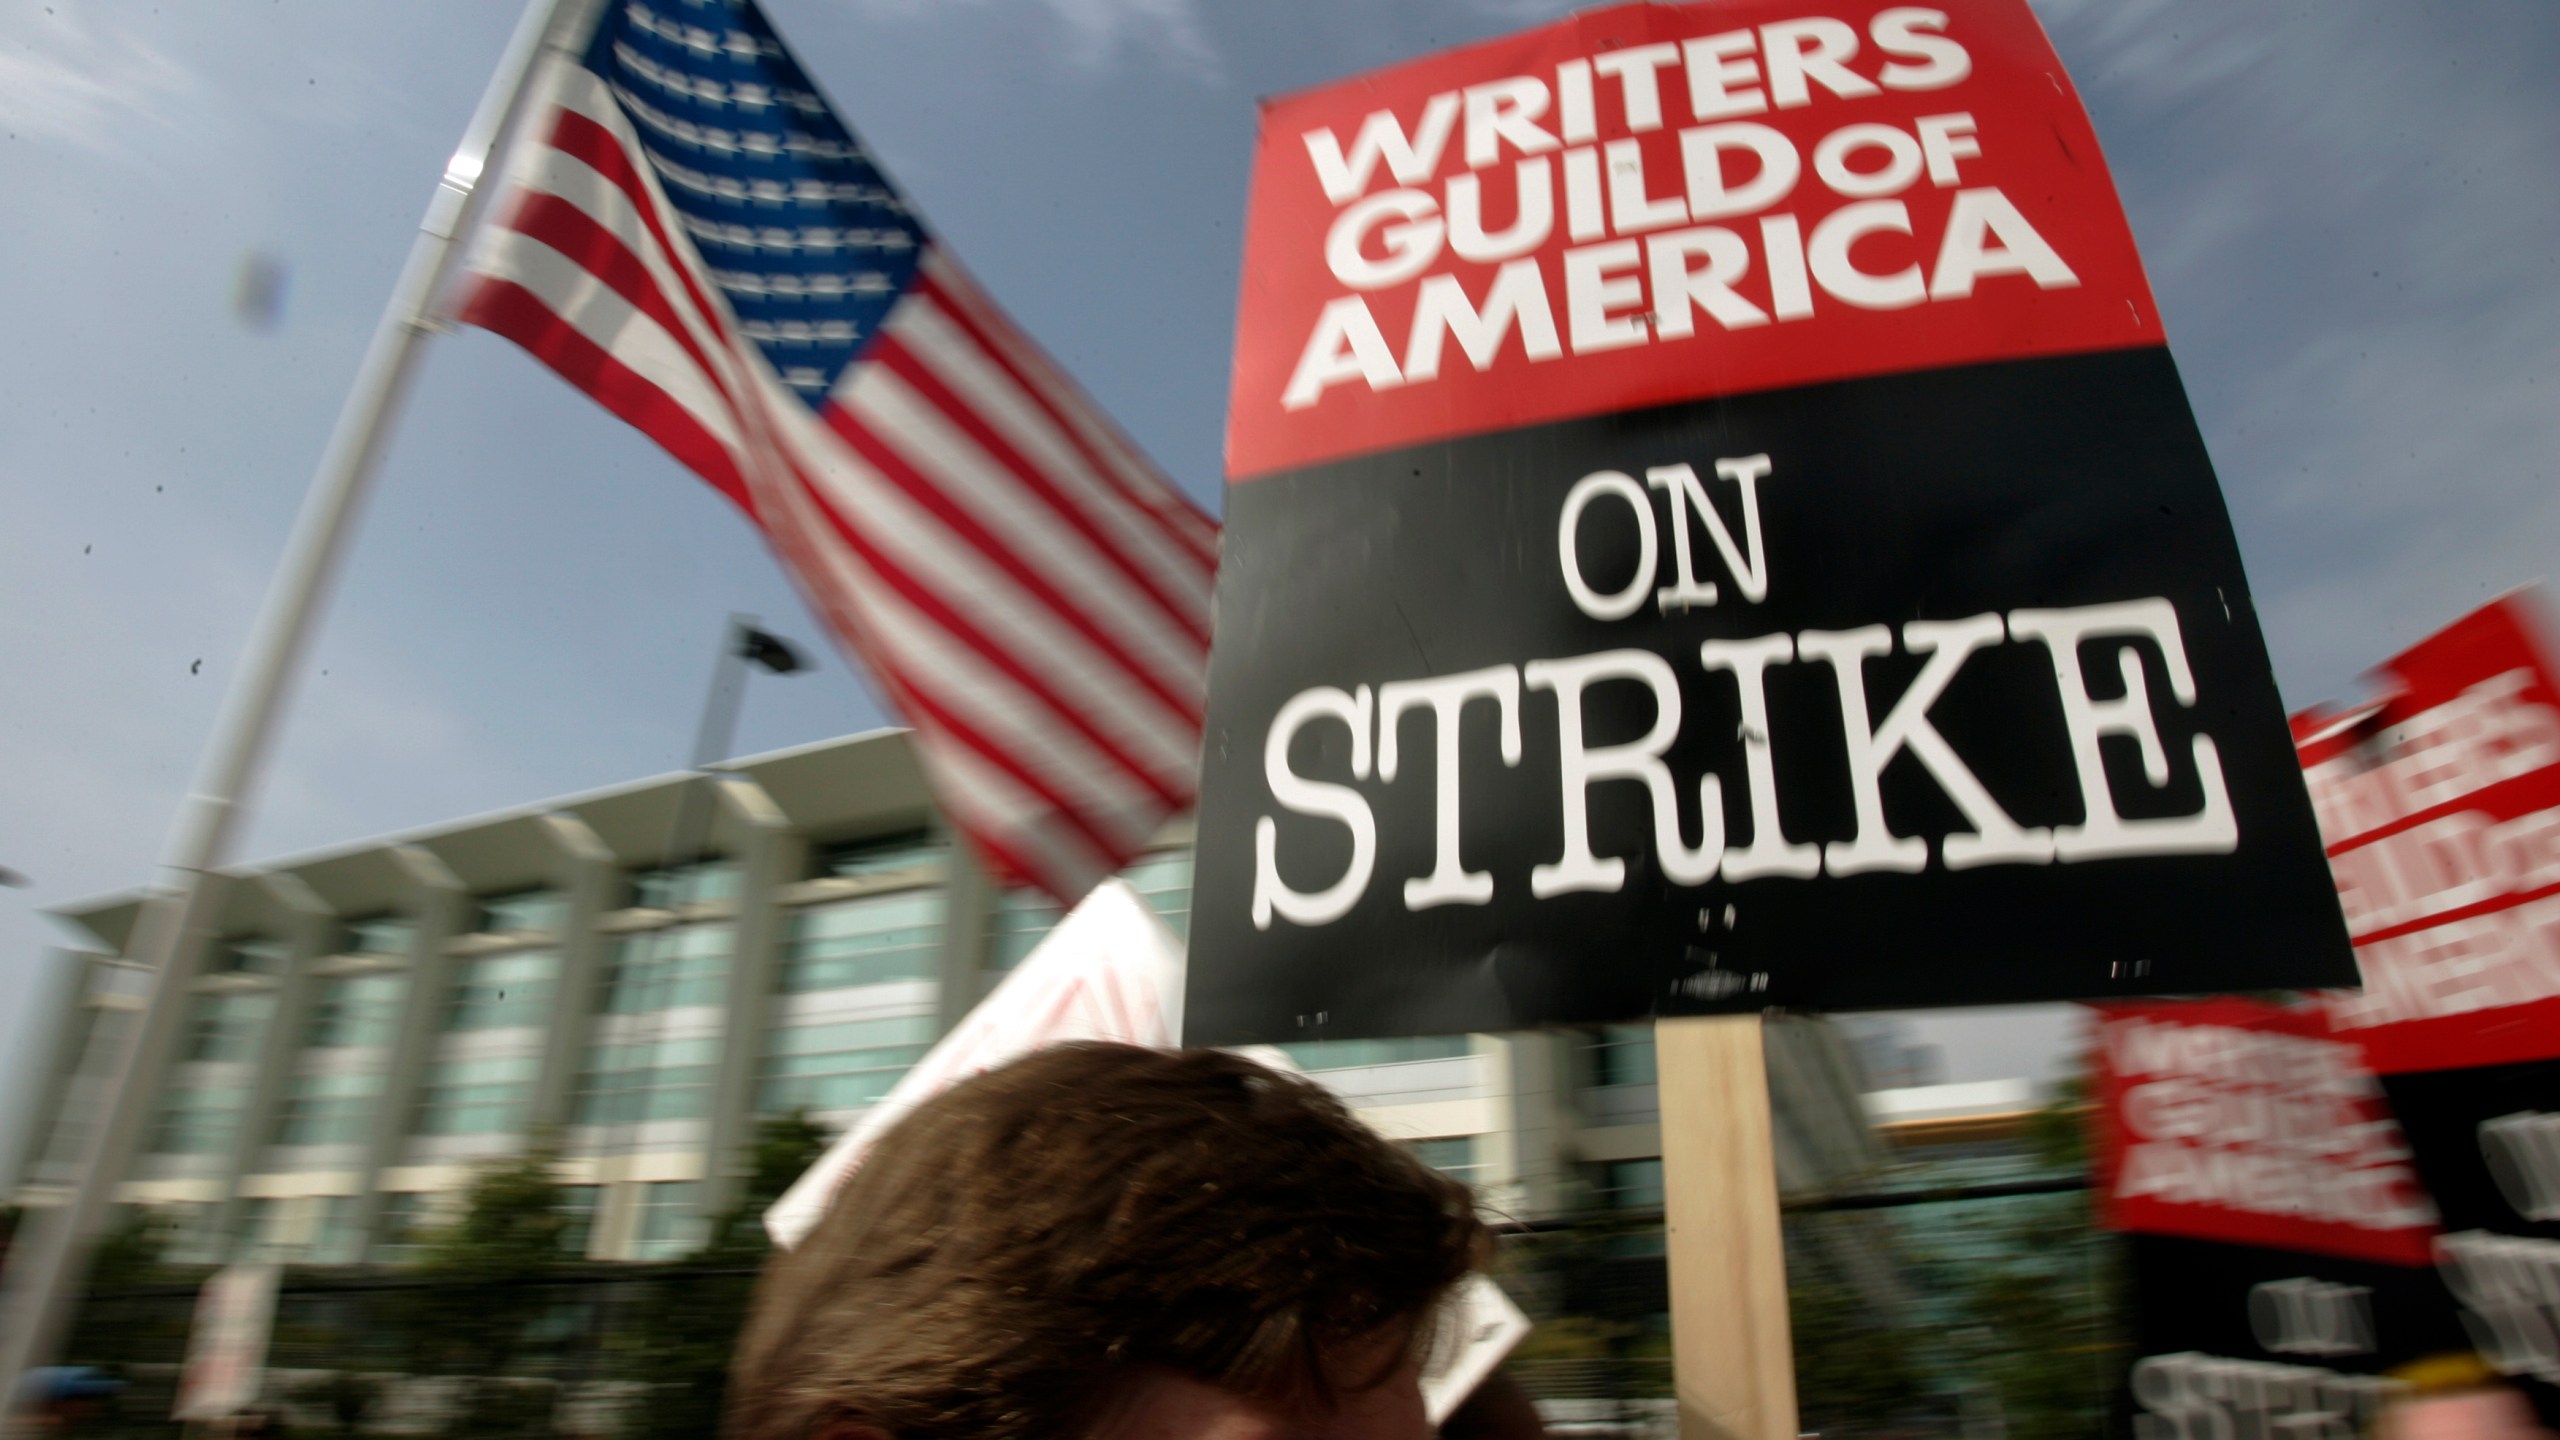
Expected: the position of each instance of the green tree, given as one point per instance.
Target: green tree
(1854, 1374)
(2043, 1306)
(687, 1326)
(784, 1147)
(512, 1223)
(134, 1307)
(1855, 1371)
(483, 1314)
(2040, 1330)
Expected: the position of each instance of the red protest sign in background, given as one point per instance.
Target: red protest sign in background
(2246, 1123)
(2440, 809)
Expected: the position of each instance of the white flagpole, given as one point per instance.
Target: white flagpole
(45, 1267)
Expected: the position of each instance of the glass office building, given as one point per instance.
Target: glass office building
(640, 980)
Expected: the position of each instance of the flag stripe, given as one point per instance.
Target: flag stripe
(1023, 587)
(926, 330)
(555, 181)
(974, 643)
(1004, 621)
(993, 337)
(953, 703)
(1000, 818)
(974, 791)
(959, 732)
(1068, 408)
(838, 604)
(899, 360)
(580, 240)
(912, 654)
(624, 214)
(965, 488)
(615, 326)
(517, 313)
(585, 139)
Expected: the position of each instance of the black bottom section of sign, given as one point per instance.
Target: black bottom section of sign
(1961, 495)
(2352, 1316)
(2239, 1340)
(2486, 1143)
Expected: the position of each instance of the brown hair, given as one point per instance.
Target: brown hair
(1019, 1246)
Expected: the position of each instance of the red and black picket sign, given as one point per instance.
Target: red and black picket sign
(2247, 1123)
(2298, 1227)
(2440, 806)
(1713, 524)
(2259, 1340)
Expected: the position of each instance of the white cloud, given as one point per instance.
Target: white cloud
(1169, 28)
(64, 82)
(2340, 209)
(1100, 31)
(1523, 12)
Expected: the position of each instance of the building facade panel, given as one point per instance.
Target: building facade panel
(564, 976)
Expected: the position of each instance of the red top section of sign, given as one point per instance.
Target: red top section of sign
(1657, 203)
(2440, 806)
(2249, 1124)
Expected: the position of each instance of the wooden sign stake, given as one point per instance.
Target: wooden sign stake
(1732, 1351)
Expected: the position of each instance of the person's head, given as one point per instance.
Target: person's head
(2457, 1396)
(1101, 1240)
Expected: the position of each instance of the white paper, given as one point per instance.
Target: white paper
(227, 1348)
(1478, 1326)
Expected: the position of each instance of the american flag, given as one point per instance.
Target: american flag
(690, 235)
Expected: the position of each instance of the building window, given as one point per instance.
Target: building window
(1622, 1055)
(249, 956)
(119, 979)
(199, 1120)
(1164, 882)
(192, 1235)
(578, 1218)
(628, 1084)
(671, 969)
(1453, 1156)
(864, 858)
(865, 942)
(504, 992)
(478, 1097)
(96, 1038)
(667, 887)
(381, 935)
(1396, 1050)
(523, 912)
(403, 1230)
(668, 1227)
(844, 1066)
(1631, 1185)
(340, 1240)
(354, 1011)
(327, 1109)
(227, 1026)
(1024, 918)
(253, 1232)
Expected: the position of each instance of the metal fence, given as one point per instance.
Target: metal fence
(1984, 1312)
(630, 1352)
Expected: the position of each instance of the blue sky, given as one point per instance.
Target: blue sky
(2347, 208)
